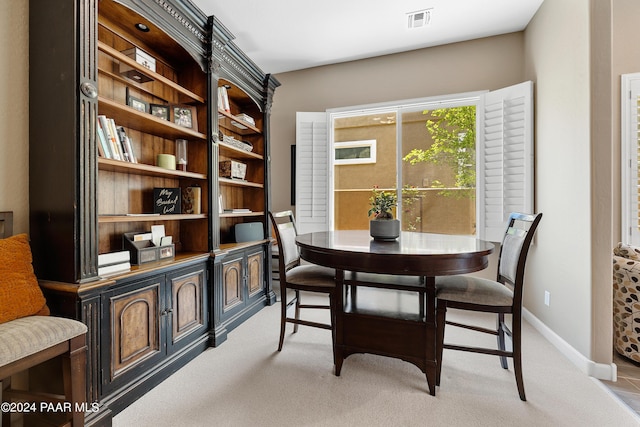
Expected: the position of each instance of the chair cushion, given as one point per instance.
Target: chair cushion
(28, 335)
(20, 294)
(474, 290)
(627, 251)
(312, 275)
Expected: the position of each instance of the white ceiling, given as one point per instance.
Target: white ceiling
(287, 35)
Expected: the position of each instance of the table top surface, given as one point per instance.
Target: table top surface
(411, 253)
(409, 243)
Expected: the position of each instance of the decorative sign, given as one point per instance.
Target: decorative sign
(166, 201)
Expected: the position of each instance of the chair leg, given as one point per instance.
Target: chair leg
(74, 378)
(283, 318)
(516, 336)
(6, 415)
(441, 315)
(501, 340)
(295, 325)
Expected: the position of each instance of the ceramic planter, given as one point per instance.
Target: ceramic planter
(385, 230)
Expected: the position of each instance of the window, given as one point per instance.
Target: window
(630, 158)
(503, 157)
(354, 152)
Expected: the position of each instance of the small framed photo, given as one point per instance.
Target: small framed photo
(185, 116)
(161, 111)
(137, 104)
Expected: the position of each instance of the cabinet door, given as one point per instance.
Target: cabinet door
(186, 307)
(255, 276)
(232, 283)
(134, 316)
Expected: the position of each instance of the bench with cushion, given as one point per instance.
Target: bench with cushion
(29, 336)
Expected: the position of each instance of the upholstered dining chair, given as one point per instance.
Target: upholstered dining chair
(502, 296)
(297, 277)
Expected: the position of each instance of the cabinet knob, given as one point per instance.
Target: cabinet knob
(89, 90)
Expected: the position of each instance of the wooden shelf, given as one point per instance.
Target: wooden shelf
(239, 183)
(227, 118)
(241, 215)
(145, 122)
(144, 169)
(237, 153)
(106, 219)
(151, 74)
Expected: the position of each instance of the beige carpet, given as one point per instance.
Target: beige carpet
(246, 382)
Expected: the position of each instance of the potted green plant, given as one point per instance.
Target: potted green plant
(383, 226)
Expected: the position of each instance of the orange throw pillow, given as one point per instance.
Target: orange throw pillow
(20, 294)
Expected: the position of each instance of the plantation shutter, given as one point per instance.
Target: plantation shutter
(630, 158)
(312, 172)
(505, 158)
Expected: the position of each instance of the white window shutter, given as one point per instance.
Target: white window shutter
(630, 183)
(312, 172)
(505, 158)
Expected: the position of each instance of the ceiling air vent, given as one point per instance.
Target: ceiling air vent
(418, 19)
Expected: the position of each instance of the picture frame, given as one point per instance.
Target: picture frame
(137, 104)
(185, 116)
(160, 111)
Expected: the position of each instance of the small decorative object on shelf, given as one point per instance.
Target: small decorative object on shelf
(191, 200)
(232, 169)
(181, 154)
(160, 111)
(246, 146)
(166, 161)
(166, 201)
(141, 58)
(383, 226)
(185, 116)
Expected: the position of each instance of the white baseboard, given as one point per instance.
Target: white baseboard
(600, 371)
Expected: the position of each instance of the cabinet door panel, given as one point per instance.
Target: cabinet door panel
(187, 304)
(254, 273)
(232, 280)
(135, 328)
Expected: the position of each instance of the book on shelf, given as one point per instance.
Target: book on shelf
(114, 269)
(106, 129)
(223, 99)
(238, 210)
(126, 145)
(111, 258)
(116, 138)
(102, 142)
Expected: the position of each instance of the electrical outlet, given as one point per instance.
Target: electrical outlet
(546, 298)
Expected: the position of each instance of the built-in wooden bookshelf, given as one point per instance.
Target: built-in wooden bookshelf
(146, 322)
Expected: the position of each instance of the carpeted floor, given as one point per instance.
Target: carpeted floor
(246, 382)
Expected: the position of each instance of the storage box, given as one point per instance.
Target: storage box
(145, 251)
(141, 58)
(249, 232)
(232, 169)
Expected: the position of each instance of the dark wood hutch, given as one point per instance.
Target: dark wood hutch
(147, 322)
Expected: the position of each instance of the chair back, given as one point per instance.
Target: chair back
(284, 226)
(514, 250)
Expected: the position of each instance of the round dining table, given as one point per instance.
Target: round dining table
(385, 301)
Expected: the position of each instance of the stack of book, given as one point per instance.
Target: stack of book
(113, 142)
(113, 263)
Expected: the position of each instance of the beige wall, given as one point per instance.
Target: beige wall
(558, 63)
(14, 111)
